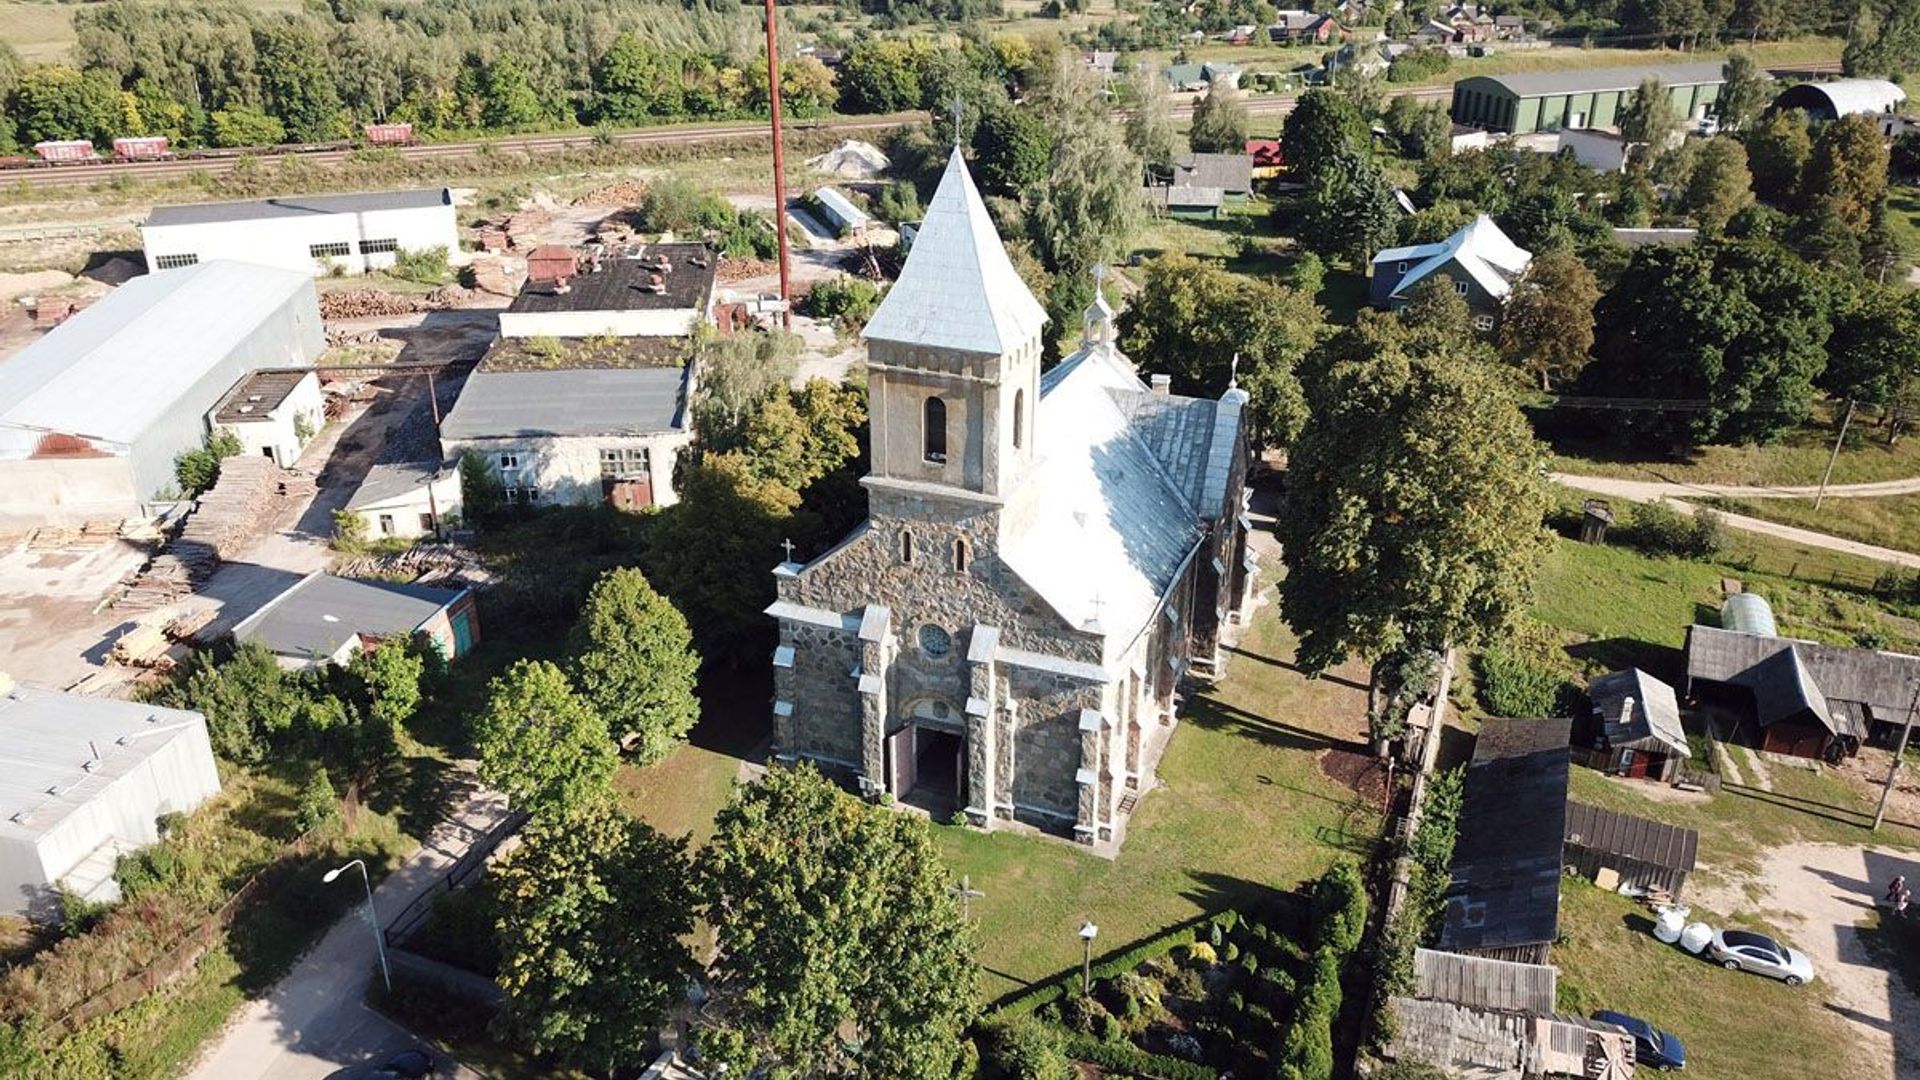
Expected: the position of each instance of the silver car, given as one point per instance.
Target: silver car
(1743, 950)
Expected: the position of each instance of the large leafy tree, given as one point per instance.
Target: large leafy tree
(1744, 94)
(1219, 121)
(1719, 185)
(1884, 40)
(1777, 151)
(833, 918)
(1190, 319)
(296, 81)
(1734, 333)
(1149, 131)
(55, 102)
(1547, 325)
(1874, 353)
(633, 82)
(541, 742)
(1847, 172)
(1011, 150)
(1350, 209)
(1322, 126)
(1415, 501)
(592, 924)
(1420, 131)
(714, 551)
(634, 660)
(508, 98)
(1647, 118)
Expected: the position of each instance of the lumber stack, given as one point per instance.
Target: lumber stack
(239, 507)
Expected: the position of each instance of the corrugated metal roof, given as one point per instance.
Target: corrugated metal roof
(1507, 859)
(1638, 711)
(288, 206)
(1883, 681)
(322, 613)
(112, 370)
(48, 737)
(1484, 983)
(1541, 83)
(385, 482)
(958, 289)
(589, 401)
(1232, 173)
(1843, 97)
(1613, 833)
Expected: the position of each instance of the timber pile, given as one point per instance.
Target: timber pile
(367, 304)
(619, 193)
(732, 269)
(237, 509)
(451, 296)
(445, 565)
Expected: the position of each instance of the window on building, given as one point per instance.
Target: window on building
(512, 495)
(174, 262)
(1460, 287)
(1483, 323)
(337, 250)
(1400, 268)
(1019, 418)
(623, 462)
(532, 494)
(906, 546)
(378, 247)
(426, 522)
(386, 524)
(934, 431)
(960, 554)
(509, 462)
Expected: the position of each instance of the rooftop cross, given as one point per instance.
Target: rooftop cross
(787, 546)
(958, 105)
(1233, 373)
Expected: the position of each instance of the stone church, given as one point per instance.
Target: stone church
(1047, 555)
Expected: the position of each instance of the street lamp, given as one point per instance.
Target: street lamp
(1088, 932)
(379, 939)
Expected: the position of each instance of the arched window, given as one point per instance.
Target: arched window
(933, 435)
(1019, 418)
(960, 554)
(906, 546)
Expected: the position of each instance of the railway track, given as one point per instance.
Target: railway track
(94, 172)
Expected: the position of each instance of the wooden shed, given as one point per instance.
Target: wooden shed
(1647, 855)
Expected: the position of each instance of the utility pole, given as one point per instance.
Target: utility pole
(1893, 770)
(1828, 475)
(779, 163)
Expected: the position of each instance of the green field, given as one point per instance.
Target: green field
(1891, 521)
(1799, 458)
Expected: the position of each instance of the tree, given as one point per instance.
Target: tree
(713, 552)
(632, 83)
(1350, 210)
(541, 743)
(1738, 331)
(1321, 126)
(1191, 318)
(247, 700)
(737, 374)
(1415, 502)
(1420, 131)
(198, 470)
(1847, 171)
(1149, 131)
(882, 75)
(796, 437)
(1884, 41)
(1437, 315)
(482, 495)
(1547, 325)
(1777, 151)
(1219, 121)
(1018, 1047)
(1011, 150)
(592, 924)
(1744, 94)
(508, 99)
(633, 658)
(1874, 352)
(244, 125)
(57, 102)
(1720, 185)
(1647, 118)
(389, 682)
(296, 80)
(831, 916)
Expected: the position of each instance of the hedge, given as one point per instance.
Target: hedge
(1052, 990)
(1121, 1057)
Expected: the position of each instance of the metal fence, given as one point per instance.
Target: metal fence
(463, 872)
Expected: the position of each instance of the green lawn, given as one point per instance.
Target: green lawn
(1244, 808)
(1891, 521)
(1736, 1026)
(1799, 458)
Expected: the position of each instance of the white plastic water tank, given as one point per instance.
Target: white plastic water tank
(1667, 928)
(1695, 937)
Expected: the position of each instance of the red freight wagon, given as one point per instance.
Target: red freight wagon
(389, 134)
(64, 150)
(141, 146)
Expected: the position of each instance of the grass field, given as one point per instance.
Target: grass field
(1797, 459)
(1891, 521)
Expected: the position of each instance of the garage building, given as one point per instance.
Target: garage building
(93, 414)
(84, 780)
(311, 233)
(1551, 100)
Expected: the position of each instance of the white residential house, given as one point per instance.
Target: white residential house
(273, 413)
(316, 234)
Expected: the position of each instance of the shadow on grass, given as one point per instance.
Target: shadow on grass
(1616, 653)
(1214, 715)
(291, 908)
(416, 791)
(1837, 814)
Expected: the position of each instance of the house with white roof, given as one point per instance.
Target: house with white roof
(1046, 557)
(93, 414)
(84, 780)
(1479, 260)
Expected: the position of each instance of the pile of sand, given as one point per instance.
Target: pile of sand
(852, 160)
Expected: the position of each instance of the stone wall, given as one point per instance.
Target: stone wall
(1046, 744)
(825, 721)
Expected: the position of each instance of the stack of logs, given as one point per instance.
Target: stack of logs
(445, 565)
(367, 304)
(239, 507)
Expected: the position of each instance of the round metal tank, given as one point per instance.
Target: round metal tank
(1671, 922)
(1748, 613)
(1695, 937)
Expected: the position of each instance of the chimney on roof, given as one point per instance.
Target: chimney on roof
(1162, 384)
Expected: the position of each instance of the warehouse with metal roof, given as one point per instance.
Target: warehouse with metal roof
(1551, 100)
(349, 233)
(1842, 97)
(93, 414)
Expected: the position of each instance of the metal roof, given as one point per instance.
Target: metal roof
(1596, 80)
(322, 613)
(1231, 173)
(1613, 833)
(958, 289)
(1484, 983)
(1885, 682)
(841, 209)
(49, 738)
(1507, 859)
(1479, 247)
(292, 206)
(1184, 197)
(119, 365)
(568, 401)
(1843, 97)
(1637, 711)
(388, 481)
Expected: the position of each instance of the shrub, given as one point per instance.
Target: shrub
(1082, 1013)
(154, 867)
(197, 470)
(318, 804)
(1659, 529)
(897, 202)
(1339, 909)
(428, 265)
(1231, 953)
(1200, 954)
(1185, 982)
(1138, 998)
(1514, 685)
(1120, 1058)
(1308, 273)
(349, 532)
(1022, 1048)
(1418, 65)
(847, 302)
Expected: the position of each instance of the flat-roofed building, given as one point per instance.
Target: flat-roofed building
(323, 619)
(655, 290)
(316, 234)
(273, 413)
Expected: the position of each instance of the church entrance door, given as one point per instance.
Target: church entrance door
(929, 769)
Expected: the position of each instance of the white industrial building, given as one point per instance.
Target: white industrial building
(658, 290)
(93, 415)
(405, 500)
(311, 233)
(273, 413)
(84, 780)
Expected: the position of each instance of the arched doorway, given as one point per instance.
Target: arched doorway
(926, 757)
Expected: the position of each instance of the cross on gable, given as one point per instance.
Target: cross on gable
(787, 546)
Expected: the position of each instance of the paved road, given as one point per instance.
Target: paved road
(1671, 494)
(313, 1025)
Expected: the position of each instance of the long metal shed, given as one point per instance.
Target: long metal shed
(1550, 100)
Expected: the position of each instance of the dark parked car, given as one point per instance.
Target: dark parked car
(1651, 1047)
(407, 1065)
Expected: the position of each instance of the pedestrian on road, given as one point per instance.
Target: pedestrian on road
(1900, 902)
(1895, 887)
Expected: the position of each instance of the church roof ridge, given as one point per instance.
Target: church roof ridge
(958, 289)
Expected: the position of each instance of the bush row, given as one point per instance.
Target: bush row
(1339, 923)
(1124, 1058)
(1195, 930)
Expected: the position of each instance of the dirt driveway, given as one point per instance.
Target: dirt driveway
(1821, 896)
